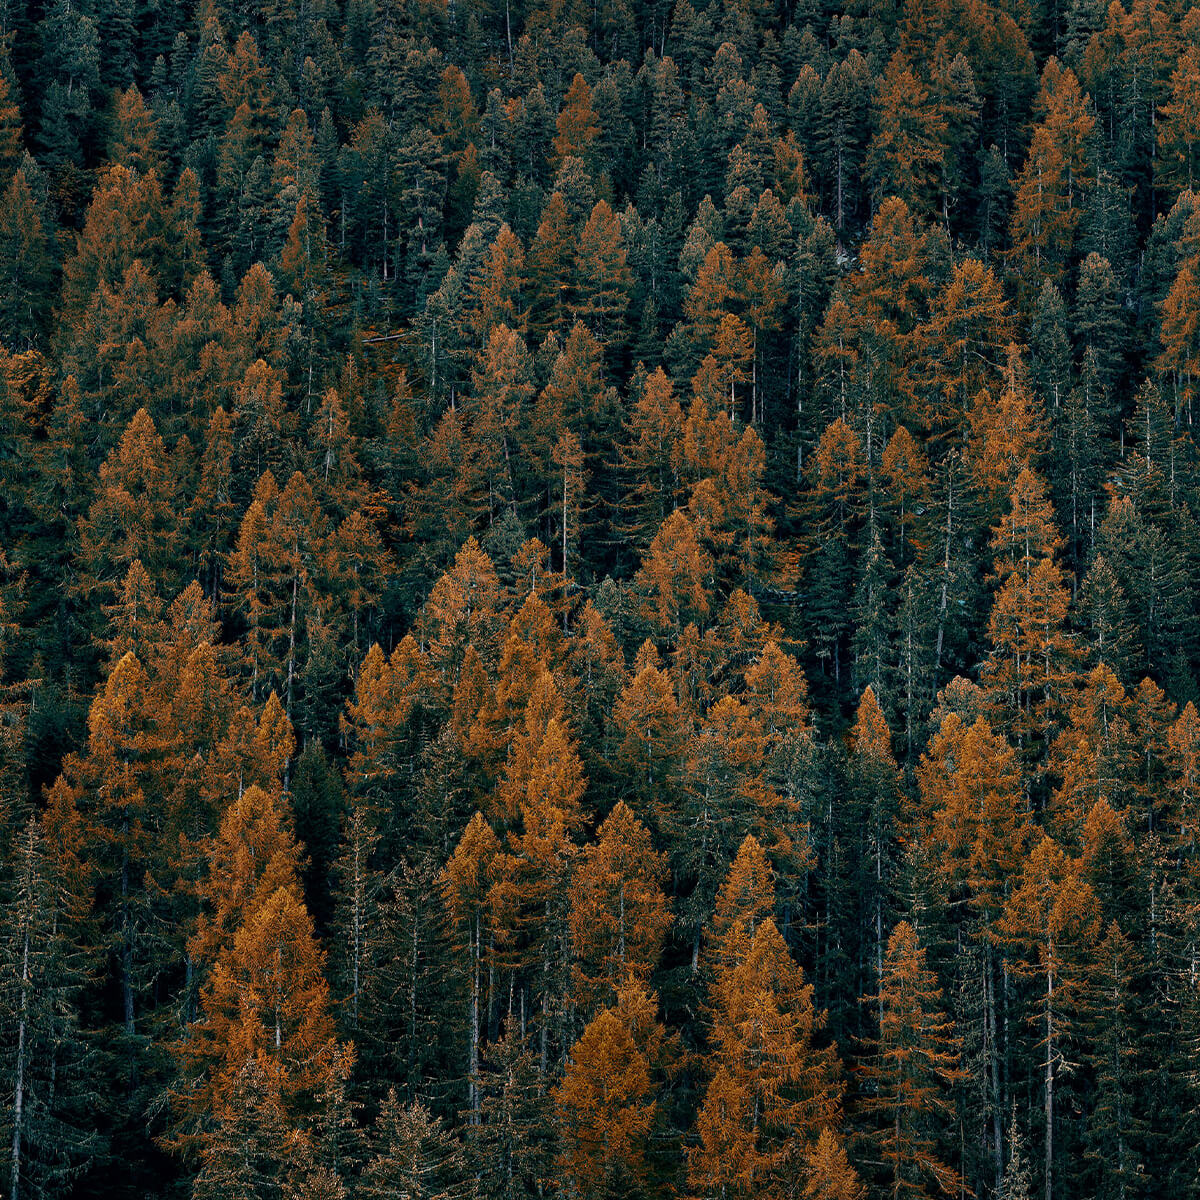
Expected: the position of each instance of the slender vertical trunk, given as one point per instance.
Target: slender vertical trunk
(356, 926)
(943, 604)
(993, 1064)
(1050, 1079)
(412, 1000)
(840, 219)
(879, 915)
(19, 1086)
(291, 663)
(544, 1039)
(127, 966)
(621, 924)
(473, 1053)
(754, 378)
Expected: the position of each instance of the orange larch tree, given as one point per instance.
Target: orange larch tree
(909, 1075)
(773, 1087)
(620, 913)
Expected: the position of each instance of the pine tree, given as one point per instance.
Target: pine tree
(605, 1105)
(264, 1016)
(112, 789)
(11, 149)
(1033, 658)
(602, 281)
(1117, 1128)
(1048, 190)
(133, 515)
(467, 889)
(650, 733)
(773, 1087)
(1178, 166)
(26, 263)
(907, 150)
(674, 579)
(745, 900)
(910, 1073)
(829, 1175)
(413, 1155)
(650, 457)
(576, 128)
(1051, 921)
(50, 1083)
(620, 914)
(874, 778)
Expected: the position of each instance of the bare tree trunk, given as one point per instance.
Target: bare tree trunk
(19, 1087)
(1050, 1080)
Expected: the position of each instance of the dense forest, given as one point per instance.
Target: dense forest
(599, 600)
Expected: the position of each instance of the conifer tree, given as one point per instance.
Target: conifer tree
(910, 1073)
(773, 1087)
(1033, 659)
(605, 1106)
(467, 889)
(48, 1123)
(619, 912)
(413, 1155)
(264, 1036)
(1051, 920)
(829, 1175)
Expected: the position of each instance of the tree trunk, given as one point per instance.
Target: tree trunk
(19, 1085)
(1050, 1080)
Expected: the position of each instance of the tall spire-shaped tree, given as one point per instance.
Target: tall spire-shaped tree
(910, 1074)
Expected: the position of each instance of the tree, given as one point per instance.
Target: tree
(619, 912)
(1007, 435)
(48, 1119)
(906, 153)
(875, 779)
(1049, 189)
(967, 337)
(1178, 165)
(270, 580)
(1033, 656)
(11, 149)
(467, 890)
(576, 128)
(413, 1155)
(971, 789)
(26, 262)
(976, 830)
(601, 278)
(502, 393)
(910, 1073)
(133, 515)
(674, 578)
(1051, 920)
(829, 1175)
(650, 740)
(264, 1015)
(650, 457)
(1117, 1128)
(544, 785)
(745, 900)
(773, 1086)
(604, 1106)
(549, 266)
(842, 129)
(112, 788)
(1094, 755)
